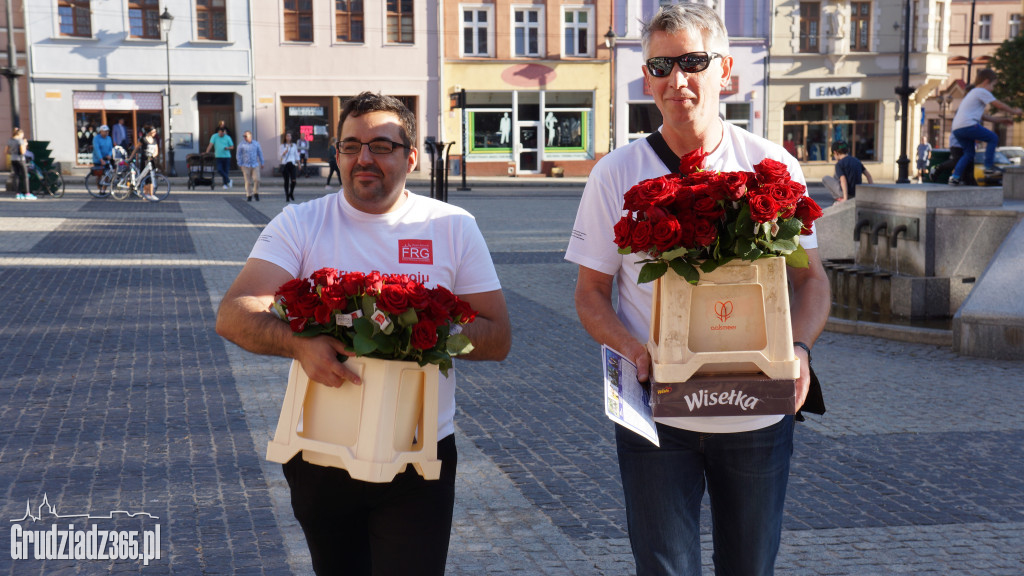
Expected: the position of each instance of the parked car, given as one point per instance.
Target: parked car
(1013, 153)
(939, 155)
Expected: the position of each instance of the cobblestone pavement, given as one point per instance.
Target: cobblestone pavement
(116, 395)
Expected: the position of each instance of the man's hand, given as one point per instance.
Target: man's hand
(319, 359)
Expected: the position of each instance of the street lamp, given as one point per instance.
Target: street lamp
(609, 43)
(165, 24)
(904, 90)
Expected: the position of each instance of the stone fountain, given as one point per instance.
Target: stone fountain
(932, 255)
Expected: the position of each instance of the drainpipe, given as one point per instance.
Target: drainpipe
(767, 65)
(252, 77)
(12, 71)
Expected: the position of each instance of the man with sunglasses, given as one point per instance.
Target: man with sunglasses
(742, 462)
(373, 224)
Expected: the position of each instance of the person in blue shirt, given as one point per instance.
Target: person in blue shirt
(222, 145)
(250, 160)
(849, 170)
(102, 146)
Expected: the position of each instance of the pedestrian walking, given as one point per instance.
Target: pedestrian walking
(303, 146)
(924, 156)
(288, 155)
(249, 156)
(742, 462)
(222, 145)
(16, 148)
(968, 128)
(332, 162)
(351, 526)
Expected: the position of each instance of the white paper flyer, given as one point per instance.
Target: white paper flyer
(626, 401)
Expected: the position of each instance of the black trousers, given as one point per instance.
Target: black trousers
(333, 170)
(19, 171)
(290, 173)
(399, 528)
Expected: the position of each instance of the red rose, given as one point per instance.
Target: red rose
(687, 230)
(704, 233)
(666, 234)
(322, 314)
(292, 290)
(442, 302)
(352, 283)
(655, 191)
(684, 200)
(393, 298)
(692, 162)
(796, 191)
(372, 283)
(624, 231)
(807, 211)
(334, 297)
(642, 236)
(424, 335)
(297, 324)
(735, 184)
(707, 208)
(463, 312)
(771, 172)
(324, 277)
(305, 306)
(763, 208)
(418, 295)
(787, 211)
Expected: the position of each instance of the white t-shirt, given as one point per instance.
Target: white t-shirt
(972, 107)
(593, 240)
(433, 242)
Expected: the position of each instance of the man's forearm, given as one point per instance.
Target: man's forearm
(246, 323)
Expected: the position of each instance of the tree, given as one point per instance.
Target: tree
(1008, 63)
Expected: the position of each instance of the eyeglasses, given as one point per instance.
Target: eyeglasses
(381, 146)
(661, 66)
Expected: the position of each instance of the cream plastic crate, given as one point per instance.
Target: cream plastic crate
(373, 430)
(734, 321)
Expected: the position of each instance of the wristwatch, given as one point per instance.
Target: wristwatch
(806, 348)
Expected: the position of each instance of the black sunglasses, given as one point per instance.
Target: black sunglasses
(661, 66)
(380, 146)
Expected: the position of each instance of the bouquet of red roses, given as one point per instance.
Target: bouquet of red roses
(391, 317)
(702, 219)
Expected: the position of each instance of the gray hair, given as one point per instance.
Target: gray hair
(687, 17)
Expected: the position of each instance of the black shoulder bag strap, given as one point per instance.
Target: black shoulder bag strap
(668, 157)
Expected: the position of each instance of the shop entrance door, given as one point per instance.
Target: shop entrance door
(527, 149)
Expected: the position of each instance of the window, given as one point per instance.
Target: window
(985, 28)
(476, 31)
(400, 22)
(860, 24)
(577, 32)
(526, 31)
(1014, 30)
(211, 20)
(940, 25)
(74, 18)
(348, 21)
(298, 20)
(737, 114)
(811, 129)
(144, 18)
(810, 16)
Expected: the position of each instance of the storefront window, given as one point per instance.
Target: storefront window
(644, 118)
(491, 130)
(86, 124)
(94, 109)
(309, 122)
(810, 129)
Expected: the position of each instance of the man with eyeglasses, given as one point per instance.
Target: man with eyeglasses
(742, 462)
(373, 224)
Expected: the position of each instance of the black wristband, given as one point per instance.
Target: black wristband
(805, 347)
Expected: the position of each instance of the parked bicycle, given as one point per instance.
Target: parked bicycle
(99, 180)
(134, 182)
(50, 180)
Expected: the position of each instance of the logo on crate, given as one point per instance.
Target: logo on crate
(416, 252)
(723, 310)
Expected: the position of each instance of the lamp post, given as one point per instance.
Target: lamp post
(904, 90)
(609, 43)
(165, 24)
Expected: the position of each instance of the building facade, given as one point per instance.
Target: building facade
(536, 80)
(835, 65)
(312, 55)
(178, 65)
(995, 21)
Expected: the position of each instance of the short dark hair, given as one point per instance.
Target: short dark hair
(367, 102)
(840, 147)
(985, 74)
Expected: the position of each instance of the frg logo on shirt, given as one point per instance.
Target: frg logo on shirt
(416, 252)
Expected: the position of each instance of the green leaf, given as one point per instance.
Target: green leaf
(783, 246)
(458, 344)
(744, 224)
(625, 251)
(369, 302)
(652, 271)
(363, 345)
(407, 318)
(673, 254)
(789, 228)
(686, 270)
(751, 252)
(384, 344)
(364, 327)
(797, 258)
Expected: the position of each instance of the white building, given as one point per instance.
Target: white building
(94, 62)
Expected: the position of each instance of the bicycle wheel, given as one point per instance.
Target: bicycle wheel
(54, 183)
(161, 187)
(98, 187)
(121, 188)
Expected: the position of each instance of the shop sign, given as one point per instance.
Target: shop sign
(835, 90)
(305, 110)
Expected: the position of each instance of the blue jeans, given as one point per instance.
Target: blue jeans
(224, 169)
(745, 474)
(967, 136)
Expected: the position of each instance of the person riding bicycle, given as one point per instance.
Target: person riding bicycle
(149, 151)
(102, 147)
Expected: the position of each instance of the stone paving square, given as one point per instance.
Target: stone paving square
(117, 395)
